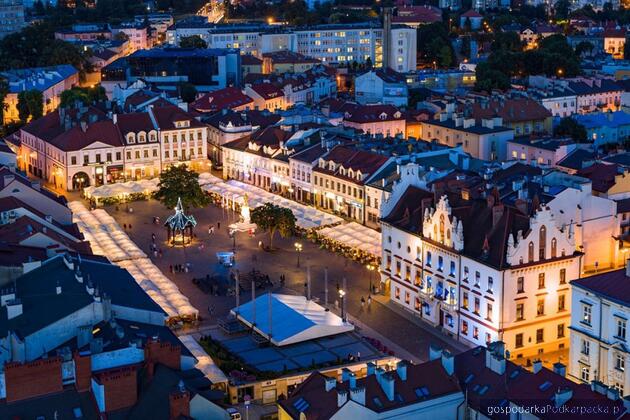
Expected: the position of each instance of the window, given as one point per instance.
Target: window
(620, 362)
(428, 259)
(109, 157)
(476, 333)
(407, 297)
(408, 273)
(542, 242)
(477, 278)
(73, 160)
(418, 253)
(86, 159)
(586, 347)
(466, 274)
(540, 307)
(518, 340)
(621, 329)
(477, 305)
(398, 267)
(560, 330)
(452, 271)
(541, 280)
(585, 374)
(464, 328)
(118, 155)
(586, 314)
(129, 155)
(465, 300)
(489, 312)
(561, 303)
(520, 285)
(397, 293)
(520, 308)
(540, 335)
(490, 284)
(563, 276)
(530, 252)
(554, 248)
(418, 279)
(388, 265)
(440, 263)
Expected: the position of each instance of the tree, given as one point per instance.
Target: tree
(86, 96)
(271, 218)
(568, 126)
(445, 56)
(188, 92)
(30, 105)
(488, 78)
(180, 182)
(193, 41)
(583, 47)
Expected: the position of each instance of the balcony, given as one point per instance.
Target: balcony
(449, 305)
(427, 293)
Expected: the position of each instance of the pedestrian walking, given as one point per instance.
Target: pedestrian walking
(170, 268)
(218, 225)
(362, 302)
(129, 226)
(125, 226)
(369, 300)
(155, 253)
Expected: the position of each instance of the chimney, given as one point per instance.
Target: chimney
(14, 308)
(448, 362)
(434, 352)
(345, 374)
(599, 387)
(560, 369)
(562, 396)
(342, 397)
(497, 213)
(495, 357)
(115, 118)
(387, 383)
(371, 367)
(537, 366)
(358, 395)
(330, 383)
(8, 179)
(83, 126)
(352, 380)
(401, 369)
(179, 402)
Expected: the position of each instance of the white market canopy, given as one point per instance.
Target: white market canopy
(108, 239)
(122, 189)
(233, 192)
(355, 235)
(204, 362)
(294, 319)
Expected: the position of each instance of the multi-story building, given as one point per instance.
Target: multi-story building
(541, 151)
(73, 149)
(381, 86)
(486, 139)
(340, 177)
(301, 165)
(207, 69)
(331, 43)
(478, 268)
(384, 120)
(137, 33)
(615, 42)
(11, 16)
(51, 81)
(599, 322)
(605, 127)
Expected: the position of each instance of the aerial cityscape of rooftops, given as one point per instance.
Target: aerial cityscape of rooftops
(314, 209)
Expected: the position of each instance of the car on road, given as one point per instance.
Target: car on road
(234, 413)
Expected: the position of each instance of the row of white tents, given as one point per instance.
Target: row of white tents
(122, 190)
(108, 239)
(356, 236)
(233, 193)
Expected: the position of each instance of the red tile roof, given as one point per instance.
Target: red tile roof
(511, 110)
(166, 116)
(357, 160)
(267, 90)
(79, 137)
(418, 14)
(218, 100)
(134, 122)
(601, 175)
(363, 114)
(472, 14)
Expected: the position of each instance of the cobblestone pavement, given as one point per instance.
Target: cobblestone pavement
(410, 337)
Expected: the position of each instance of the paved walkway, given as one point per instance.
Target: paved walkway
(410, 338)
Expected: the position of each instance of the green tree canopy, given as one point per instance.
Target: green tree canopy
(30, 105)
(193, 41)
(180, 182)
(271, 218)
(86, 96)
(570, 127)
(188, 92)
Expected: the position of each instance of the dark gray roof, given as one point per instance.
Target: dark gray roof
(476, 129)
(68, 404)
(576, 159)
(42, 305)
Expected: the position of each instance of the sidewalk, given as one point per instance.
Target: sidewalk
(435, 332)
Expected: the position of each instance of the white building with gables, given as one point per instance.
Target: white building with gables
(479, 269)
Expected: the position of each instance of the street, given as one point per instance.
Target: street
(414, 339)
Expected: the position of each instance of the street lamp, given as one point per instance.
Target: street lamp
(371, 268)
(298, 249)
(342, 293)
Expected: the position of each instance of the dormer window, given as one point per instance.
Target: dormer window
(142, 138)
(397, 114)
(383, 116)
(131, 138)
